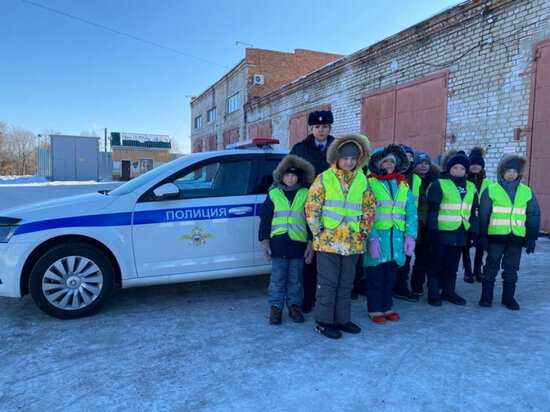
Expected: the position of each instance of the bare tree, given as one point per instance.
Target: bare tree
(20, 145)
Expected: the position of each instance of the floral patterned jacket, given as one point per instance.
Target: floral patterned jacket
(341, 240)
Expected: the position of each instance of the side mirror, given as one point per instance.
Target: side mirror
(167, 191)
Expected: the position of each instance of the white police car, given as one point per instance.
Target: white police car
(194, 218)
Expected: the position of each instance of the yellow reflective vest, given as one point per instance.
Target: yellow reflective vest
(337, 206)
(507, 217)
(389, 212)
(417, 181)
(484, 185)
(287, 218)
(453, 210)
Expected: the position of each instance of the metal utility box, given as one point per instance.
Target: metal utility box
(74, 157)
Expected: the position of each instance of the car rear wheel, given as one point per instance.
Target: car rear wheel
(71, 280)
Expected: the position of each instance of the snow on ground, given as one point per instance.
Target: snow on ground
(12, 195)
(208, 346)
(36, 180)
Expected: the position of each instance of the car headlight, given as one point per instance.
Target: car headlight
(8, 226)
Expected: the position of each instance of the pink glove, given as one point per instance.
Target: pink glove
(409, 245)
(374, 248)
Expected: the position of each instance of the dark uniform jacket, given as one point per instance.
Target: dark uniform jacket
(307, 149)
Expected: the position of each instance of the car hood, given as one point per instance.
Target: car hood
(68, 206)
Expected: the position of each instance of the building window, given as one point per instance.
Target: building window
(198, 122)
(145, 165)
(233, 104)
(211, 115)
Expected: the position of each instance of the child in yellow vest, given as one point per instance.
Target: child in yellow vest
(340, 213)
(509, 220)
(285, 237)
(392, 239)
(476, 175)
(452, 220)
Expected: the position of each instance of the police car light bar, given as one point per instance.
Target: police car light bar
(253, 143)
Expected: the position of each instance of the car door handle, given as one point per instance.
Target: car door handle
(240, 210)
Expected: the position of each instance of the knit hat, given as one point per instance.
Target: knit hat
(421, 156)
(512, 164)
(320, 117)
(476, 157)
(407, 149)
(295, 171)
(459, 158)
(349, 149)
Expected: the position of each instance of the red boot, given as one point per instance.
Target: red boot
(377, 317)
(392, 316)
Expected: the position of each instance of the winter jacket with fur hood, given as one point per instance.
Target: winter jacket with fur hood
(532, 224)
(282, 246)
(458, 237)
(392, 241)
(341, 240)
(307, 149)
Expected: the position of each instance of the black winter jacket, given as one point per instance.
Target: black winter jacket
(532, 224)
(458, 237)
(307, 149)
(282, 246)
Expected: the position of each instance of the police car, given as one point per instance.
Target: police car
(194, 218)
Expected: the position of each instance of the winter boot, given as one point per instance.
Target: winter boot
(487, 288)
(433, 292)
(295, 314)
(348, 327)
(275, 315)
(508, 290)
(328, 330)
(405, 294)
(468, 277)
(449, 293)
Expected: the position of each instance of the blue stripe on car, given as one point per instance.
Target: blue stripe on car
(140, 218)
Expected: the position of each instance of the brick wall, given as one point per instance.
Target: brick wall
(278, 68)
(485, 45)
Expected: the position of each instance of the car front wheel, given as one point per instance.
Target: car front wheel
(71, 280)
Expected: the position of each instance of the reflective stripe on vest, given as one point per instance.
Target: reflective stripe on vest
(337, 207)
(453, 210)
(289, 219)
(505, 217)
(389, 212)
(417, 181)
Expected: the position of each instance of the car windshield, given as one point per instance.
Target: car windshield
(140, 180)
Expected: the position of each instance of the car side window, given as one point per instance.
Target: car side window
(265, 177)
(215, 179)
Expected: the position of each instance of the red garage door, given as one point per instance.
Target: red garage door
(298, 125)
(539, 143)
(230, 136)
(260, 130)
(413, 113)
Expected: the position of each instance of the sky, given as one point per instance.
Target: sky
(70, 66)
